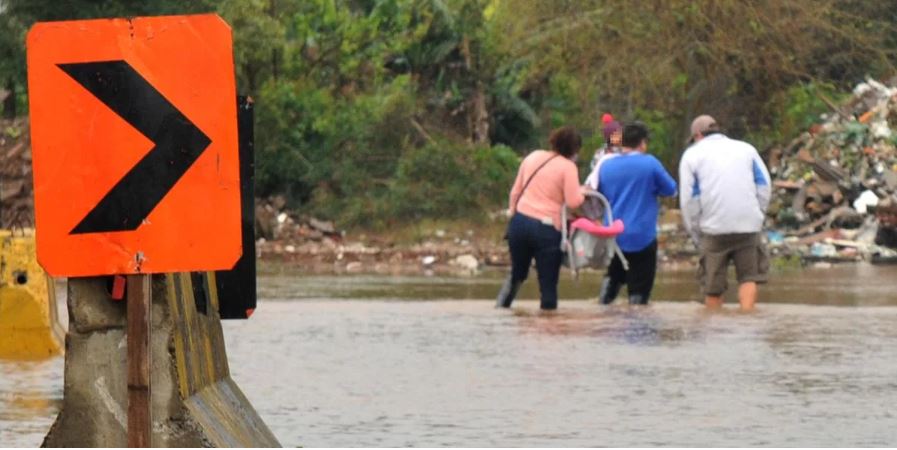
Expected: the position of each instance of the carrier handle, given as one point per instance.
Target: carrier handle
(567, 247)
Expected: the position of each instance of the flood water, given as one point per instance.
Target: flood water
(380, 361)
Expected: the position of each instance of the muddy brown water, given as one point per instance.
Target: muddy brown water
(411, 361)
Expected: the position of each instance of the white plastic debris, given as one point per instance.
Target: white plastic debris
(864, 201)
(880, 130)
(861, 89)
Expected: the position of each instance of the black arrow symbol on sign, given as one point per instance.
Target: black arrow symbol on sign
(178, 144)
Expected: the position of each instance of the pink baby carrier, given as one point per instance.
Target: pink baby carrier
(591, 241)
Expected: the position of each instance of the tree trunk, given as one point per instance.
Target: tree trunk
(272, 11)
(9, 103)
(480, 117)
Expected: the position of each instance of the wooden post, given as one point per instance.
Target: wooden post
(140, 418)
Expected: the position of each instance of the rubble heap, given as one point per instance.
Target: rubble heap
(16, 200)
(829, 182)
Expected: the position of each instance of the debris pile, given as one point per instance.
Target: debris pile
(16, 200)
(675, 248)
(829, 182)
(274, 223)
(320, 247)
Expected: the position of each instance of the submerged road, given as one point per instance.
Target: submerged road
(376, 361)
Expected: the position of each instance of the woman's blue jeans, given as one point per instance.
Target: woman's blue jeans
(529, 238)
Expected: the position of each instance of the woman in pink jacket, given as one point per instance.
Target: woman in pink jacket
(546, 182)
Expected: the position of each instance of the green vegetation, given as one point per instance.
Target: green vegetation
(375, 112)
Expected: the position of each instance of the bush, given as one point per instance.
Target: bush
(447, 181)
(319, 148)
(665, 140)
(496, 169)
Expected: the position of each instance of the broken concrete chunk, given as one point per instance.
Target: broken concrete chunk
(322, 226)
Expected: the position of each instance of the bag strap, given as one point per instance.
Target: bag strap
(525, 185)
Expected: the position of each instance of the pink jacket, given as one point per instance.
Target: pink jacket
(555, 184)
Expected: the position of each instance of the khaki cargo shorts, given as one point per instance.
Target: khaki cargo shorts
(747, 250)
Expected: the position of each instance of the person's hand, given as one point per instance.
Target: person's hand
(586, 189)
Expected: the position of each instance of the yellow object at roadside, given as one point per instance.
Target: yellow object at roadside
(29, 324)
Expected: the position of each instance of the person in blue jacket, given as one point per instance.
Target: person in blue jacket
(632, 180)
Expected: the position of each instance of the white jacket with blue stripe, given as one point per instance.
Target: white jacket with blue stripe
(724, 187)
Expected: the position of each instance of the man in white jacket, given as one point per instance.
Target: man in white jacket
(724, 190)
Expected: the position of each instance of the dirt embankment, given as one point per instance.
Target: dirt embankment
(446, 248)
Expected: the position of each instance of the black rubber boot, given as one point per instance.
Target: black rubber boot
(637, 299)
(609, 291)
(507, 293)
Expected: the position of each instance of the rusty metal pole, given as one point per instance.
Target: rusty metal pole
(140, 418)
